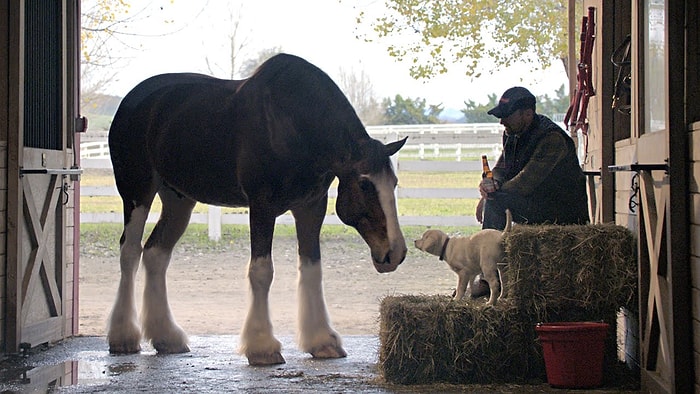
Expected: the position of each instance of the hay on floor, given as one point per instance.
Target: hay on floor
(554, 273)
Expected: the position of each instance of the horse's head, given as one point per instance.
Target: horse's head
(366, 202)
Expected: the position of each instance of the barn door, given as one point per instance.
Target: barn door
(37, 284)
(666, 350)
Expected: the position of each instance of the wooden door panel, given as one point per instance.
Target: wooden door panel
(42, 258)
(655, 297)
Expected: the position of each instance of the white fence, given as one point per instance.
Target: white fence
(424, 141)
(440, 141)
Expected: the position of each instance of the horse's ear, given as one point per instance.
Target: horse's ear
(394, 147)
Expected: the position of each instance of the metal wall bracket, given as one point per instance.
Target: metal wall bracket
(51, 171)
(636, 167)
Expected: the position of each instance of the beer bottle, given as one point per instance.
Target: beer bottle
(486, 169)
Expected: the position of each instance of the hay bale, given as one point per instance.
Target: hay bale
(560, 267)
(427, 339)
(554, 273)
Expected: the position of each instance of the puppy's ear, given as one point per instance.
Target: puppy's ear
(436, 237)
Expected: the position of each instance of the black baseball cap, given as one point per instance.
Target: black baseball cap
(512, 100)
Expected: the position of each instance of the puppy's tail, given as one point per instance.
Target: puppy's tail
(509, 221)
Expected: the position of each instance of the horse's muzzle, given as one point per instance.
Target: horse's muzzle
(390, 261)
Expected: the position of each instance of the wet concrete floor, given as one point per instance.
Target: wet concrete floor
(84, 365)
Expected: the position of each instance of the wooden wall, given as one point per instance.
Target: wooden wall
(70, 292)
(694, 210)
(3, 240)
(4, 125)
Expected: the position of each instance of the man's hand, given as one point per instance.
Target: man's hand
(486, 186)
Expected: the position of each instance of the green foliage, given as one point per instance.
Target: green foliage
(410, 111)
(477, 113)
(555, 105)
(433, 34)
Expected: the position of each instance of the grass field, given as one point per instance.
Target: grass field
(102, 238)
(407, 206)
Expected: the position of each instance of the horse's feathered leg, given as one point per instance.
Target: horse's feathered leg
(158, 323)
(315, 334)
(124, 334)
(257, 340)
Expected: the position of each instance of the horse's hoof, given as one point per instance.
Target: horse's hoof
(170, 348)
(329, 351)
(124, 348)
(265, 358)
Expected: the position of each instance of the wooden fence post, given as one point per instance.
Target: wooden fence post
(214, 222)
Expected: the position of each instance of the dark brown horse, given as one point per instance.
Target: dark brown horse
(273, 142)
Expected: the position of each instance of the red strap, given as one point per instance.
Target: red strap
(577, 115)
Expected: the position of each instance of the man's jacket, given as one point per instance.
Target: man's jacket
(541, 163)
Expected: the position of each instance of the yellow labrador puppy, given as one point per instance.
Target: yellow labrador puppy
(469, 256)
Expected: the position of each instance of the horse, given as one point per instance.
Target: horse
(273, 142)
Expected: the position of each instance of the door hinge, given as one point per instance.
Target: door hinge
(81, 124)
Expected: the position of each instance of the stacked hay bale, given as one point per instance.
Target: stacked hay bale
(554, 274)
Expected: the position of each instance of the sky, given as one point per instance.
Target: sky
(182, 35)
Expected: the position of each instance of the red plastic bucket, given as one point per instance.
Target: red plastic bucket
(573, 353)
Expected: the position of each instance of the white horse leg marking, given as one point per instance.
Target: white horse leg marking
(315, 334)
(257, 341)
(158, 323)
(124, 333)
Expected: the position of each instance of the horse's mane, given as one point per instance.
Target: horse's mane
(307, 114)
(294, 83)
(295, 75)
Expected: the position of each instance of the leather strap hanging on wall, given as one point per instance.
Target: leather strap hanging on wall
(577, 115)
(623, 83)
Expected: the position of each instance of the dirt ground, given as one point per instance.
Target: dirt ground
(208, 292)
(208, 295)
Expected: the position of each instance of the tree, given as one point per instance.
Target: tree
(360, 93)
(100, 20)
(408, 111)
(434, 33)
(234, 44)
(249, 66)
(556, 105)
(477, 113)
(106, 39)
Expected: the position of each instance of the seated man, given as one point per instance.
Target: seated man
(538, 175)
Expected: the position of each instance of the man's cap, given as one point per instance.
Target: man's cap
(512, 100)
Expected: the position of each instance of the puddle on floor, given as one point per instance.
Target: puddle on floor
(83, 365)
(43, 378)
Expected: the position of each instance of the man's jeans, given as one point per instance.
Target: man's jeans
(523, 209)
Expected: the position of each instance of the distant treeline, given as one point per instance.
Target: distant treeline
(101, 104)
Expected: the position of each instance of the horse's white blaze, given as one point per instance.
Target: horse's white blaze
(257, 337)
(124, 331)
(158, 322)
(314, 330)
(385, 183)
